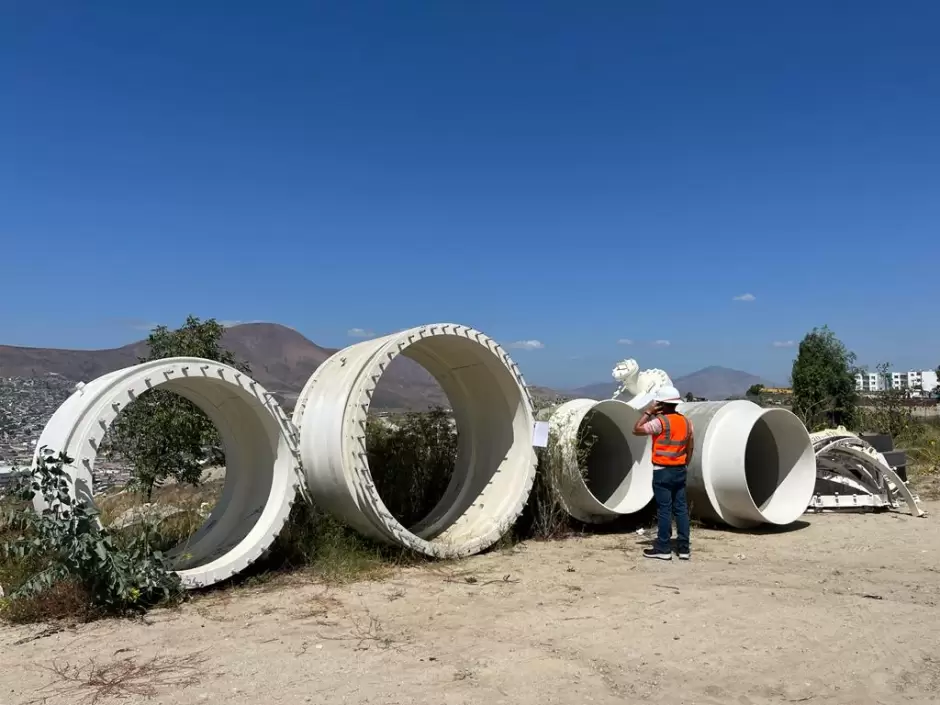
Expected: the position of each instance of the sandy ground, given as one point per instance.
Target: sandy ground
(842, 609)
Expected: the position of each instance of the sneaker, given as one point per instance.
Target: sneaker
(655, 553)
(684, 555)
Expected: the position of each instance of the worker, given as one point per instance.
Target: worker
(673, 443)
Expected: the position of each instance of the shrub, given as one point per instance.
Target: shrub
(64, 551)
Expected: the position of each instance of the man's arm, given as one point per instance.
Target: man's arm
(647, 416)
(690, 448)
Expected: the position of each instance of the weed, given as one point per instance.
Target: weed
(89, 683)
(66, 561)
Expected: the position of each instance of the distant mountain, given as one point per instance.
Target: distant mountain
(719, 383)
(281, 359)
(710, 383)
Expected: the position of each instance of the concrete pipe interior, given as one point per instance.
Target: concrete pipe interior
(261, 475)
(495, 462)
(613, 459)
(489, 415)
(779, 465)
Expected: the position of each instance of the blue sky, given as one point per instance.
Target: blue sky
(576, 174)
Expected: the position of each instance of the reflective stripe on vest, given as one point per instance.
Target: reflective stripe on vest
(671, 446)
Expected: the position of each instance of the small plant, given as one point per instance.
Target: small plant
(66, 545)
(890, 411)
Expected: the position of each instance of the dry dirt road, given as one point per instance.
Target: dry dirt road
(843, 610)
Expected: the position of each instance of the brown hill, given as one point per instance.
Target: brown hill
(281, 359)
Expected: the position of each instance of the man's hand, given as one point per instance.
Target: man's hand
(647, 414)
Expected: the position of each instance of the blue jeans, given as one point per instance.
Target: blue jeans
(669, 492)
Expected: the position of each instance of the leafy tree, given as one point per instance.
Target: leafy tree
(823, 380)
(755, 390)
(162, 434)
(689, 396)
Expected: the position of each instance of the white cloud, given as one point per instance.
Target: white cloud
(624, 341)
(360, 333)
(662, 343)
(784, 343)
(527, 345)
(744, 297)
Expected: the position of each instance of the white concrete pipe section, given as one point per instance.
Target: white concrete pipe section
(751, 465)
(495, 465)
(262, 471)
(604, 471)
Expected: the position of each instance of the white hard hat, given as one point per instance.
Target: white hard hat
(667, 395)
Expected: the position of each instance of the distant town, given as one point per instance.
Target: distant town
(919, 383)
(26, 404)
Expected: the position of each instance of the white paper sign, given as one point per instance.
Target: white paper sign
(540, 434)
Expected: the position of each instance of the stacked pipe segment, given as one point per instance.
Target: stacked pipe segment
(262, 472)
(495, 466)
(751, 465)
(610, 473)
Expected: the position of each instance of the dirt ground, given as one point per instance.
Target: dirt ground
(842, 609)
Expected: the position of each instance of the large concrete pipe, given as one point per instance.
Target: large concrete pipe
(495, 465)
(603, 470)
(262, 472)
(751, 465)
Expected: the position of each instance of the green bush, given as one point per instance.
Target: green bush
(66, 548)
(412, 459)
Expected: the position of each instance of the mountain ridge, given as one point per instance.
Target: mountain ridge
(282, 359)
(712, 382)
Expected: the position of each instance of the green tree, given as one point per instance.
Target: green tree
(755, 390)
(823, 381)
(162, 435)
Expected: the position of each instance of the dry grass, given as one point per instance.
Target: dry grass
(923, 450)
(194, 502)
(365, 632)
(63, 601)
(113, 504)
(88, 683)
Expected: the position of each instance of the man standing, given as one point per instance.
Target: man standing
(672, 450)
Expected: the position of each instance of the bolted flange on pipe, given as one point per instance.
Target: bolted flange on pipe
(599, 469)
(751, 465)
(495, 466)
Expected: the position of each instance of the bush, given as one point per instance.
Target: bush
(65, 552)
(412, 461)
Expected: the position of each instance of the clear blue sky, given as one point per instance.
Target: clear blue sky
(539, 170)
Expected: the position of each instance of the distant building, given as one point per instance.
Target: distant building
(918, 382)
(867, 382)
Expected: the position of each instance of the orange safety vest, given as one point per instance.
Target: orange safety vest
(671, 445)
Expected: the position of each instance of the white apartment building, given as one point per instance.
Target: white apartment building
(870, 382)
(919, 382)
